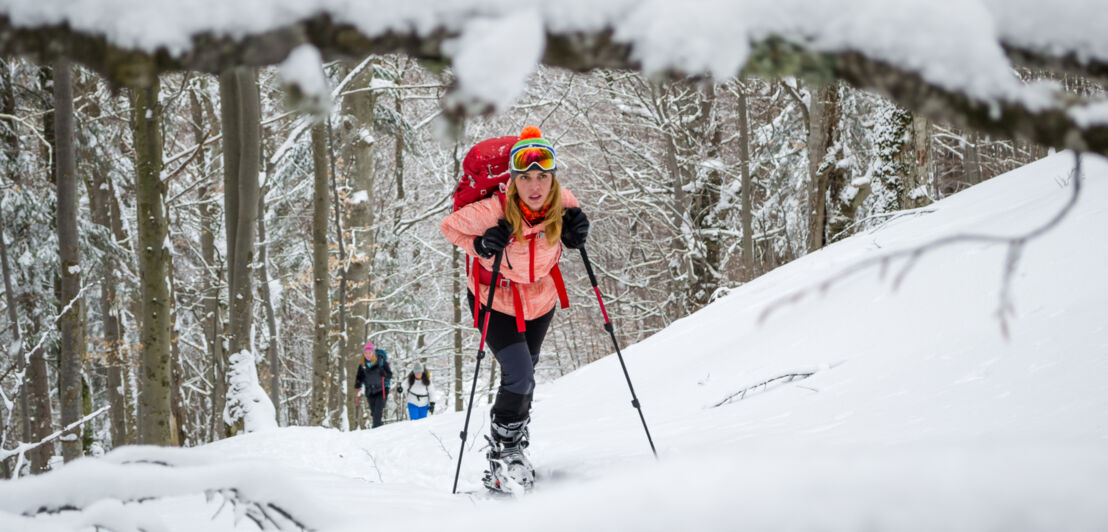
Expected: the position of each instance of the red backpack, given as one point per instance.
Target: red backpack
(485, 172)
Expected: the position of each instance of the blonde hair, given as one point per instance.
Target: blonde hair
(553, 221)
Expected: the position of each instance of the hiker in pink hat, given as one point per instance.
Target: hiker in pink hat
(375, 376)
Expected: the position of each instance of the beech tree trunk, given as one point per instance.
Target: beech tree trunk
(746, 218)
(9, 143)
(101, 201)
(321, 347)
(37, 381)
(457, 292)
(241, 113)
(72, 354)
(155, 408)
(210, 281)
(919, 174)
(273, 350)
(336, 377)
(180, 426)
(13, 322)
(823, 117)
(359, 106)
(972, 159)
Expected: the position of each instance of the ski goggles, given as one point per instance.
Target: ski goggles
(522, 158)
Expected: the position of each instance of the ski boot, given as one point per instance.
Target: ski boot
(509, 469)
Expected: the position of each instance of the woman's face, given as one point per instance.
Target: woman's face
(419, 375)
(372, 358)
(533, 187)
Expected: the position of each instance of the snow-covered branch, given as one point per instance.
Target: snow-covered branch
(22, 449)
(253, 491)
(951, 66)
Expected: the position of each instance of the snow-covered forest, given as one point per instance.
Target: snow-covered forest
(204, 219)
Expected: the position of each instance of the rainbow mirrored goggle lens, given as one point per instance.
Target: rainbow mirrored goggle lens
(528, 155)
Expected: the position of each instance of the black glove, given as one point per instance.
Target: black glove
(431, 408)
(494, 240)
(575, 228)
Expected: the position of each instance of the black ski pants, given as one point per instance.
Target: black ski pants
(518, 353)
(376, 403)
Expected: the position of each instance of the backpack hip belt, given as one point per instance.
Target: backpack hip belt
(484, 277)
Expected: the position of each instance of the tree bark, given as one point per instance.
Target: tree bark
(180, 427)
(321, 347)
(13, 322)
(458, 288)
(972, 159)
(273, 354)
(746, 220)
(823, 115)
(337, 377)
(9, 142)
(894, 153)
(919, 174)
(210, 280)
(242, 153)
(155, 408)
(72, 354)
(42, 418)
(101, 201)
(360, 107)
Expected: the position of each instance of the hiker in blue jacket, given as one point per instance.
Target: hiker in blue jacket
(374, 373)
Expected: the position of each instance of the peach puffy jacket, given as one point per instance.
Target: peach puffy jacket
(538, 293)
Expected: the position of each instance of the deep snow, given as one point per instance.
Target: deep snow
(918, 415)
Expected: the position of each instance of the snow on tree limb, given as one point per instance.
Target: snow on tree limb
(947, 65)
(107, 492)
(247, 402)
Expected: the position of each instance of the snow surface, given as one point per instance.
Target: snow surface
(917, 414)
(954, 44)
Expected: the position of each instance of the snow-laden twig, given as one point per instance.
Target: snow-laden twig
(21, 449)
(764, 385)
(242, 506)
(437, 438)
(892, 216)
(1015, 246)
(373, 461)
(34, 130)
(54, 321)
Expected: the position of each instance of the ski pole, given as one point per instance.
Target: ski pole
(611, 332)
(357, 409)
(483, 321)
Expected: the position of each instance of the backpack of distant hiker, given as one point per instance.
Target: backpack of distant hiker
(484, 171)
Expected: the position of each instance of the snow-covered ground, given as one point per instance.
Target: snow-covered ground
(918, 414)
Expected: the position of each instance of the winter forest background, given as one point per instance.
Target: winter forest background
(157, 226)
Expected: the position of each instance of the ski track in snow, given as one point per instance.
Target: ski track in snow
(919, 414)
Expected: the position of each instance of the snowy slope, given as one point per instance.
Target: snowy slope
(918, 414)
